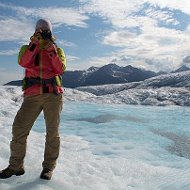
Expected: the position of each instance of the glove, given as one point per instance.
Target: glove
(49, 45)
(36, 38)
(51, 48)
(35, 41)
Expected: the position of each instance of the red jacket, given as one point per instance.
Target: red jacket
(42, 63)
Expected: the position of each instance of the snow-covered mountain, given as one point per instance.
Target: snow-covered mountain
(181, 69)
(108, 74)
(167, 89)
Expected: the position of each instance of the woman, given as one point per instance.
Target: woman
(44, 63)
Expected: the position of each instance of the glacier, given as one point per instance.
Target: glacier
(167, 89)
(163, 90)
(106, 143)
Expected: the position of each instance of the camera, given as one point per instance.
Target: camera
(46, 34)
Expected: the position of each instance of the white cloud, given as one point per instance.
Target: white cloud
(72, 58)
(158, 44)
(9, 52)
(58, 16)
(166, 63)
(117, 13)
(182, 5)
(66, 43)
(153, 49)
(21, 27)
(124, 8)
(152, 45)
(119, 38)
(163, 16)
(114, 12)
(14, 29)
(125, 13)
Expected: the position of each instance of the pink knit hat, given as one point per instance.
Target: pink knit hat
(44, 23)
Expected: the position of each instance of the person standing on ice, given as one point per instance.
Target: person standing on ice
(44, 63)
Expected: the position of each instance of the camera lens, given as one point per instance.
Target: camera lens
(46, 34)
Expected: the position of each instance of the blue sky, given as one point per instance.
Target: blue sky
(151, 34)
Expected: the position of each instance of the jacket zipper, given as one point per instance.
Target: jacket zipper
(41, 71)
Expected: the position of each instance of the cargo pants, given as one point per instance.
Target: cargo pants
(51, 105)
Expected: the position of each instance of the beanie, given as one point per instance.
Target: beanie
(44, 23)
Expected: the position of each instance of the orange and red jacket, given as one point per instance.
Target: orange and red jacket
(42, 63)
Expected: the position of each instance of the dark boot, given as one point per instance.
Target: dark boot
(7, 173)
(46, 174)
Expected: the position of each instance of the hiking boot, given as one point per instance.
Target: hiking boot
(7, 173)
(46, 174)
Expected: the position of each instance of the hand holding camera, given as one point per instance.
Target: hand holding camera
(44, 38)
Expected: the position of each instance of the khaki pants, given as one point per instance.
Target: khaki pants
(51, 105)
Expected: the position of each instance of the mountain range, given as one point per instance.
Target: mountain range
(107, 74)
(166, 89)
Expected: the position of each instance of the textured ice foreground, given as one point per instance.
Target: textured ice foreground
(104, 147)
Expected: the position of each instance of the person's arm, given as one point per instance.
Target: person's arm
(58, 58)
(26, 56)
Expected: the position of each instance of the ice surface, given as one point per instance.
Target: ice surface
(104, 147)
(168, 89)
